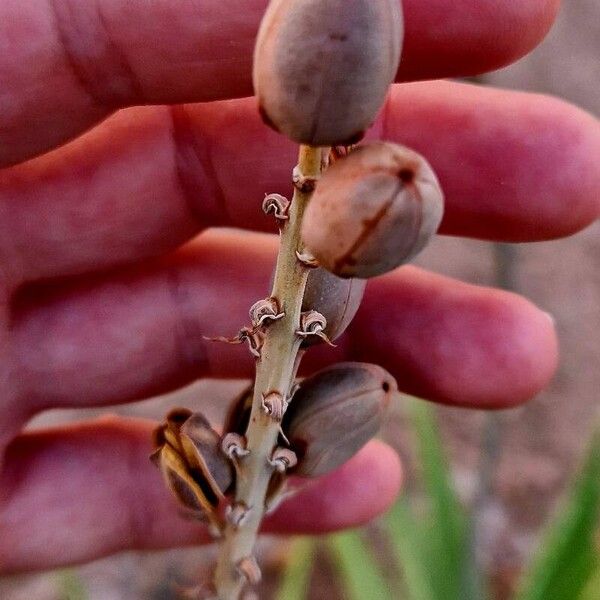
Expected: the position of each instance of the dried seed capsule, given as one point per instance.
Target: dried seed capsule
(334, 413)
(335, 298)
(373, 210)
(189, 455)
(238, 415)
(322, 67)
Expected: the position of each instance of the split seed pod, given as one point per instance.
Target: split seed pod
(373, 210)
(336, 412)
(322, 67)
(194, 468)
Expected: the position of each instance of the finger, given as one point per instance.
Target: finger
(90, 58)
(81, 492)
(453, 342)
(331, 494)
(513, 166)
(140, 333)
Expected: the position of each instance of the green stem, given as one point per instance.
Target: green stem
(275, 371)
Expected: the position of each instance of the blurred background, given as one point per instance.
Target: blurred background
(501, 505)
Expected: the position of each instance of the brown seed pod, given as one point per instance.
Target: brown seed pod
(335, 298)
(336, 412)
(373, 210)
(238, 415)
(189, 456)
(322, 67)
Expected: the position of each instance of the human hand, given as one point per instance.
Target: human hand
(102, 307)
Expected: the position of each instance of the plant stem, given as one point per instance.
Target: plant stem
(275, 371)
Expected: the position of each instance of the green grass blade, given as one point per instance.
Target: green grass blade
(447, 511)
(446, 536)
(71, 586)
(568, 557)
(359, 572)
(295, 581)
(409, 538)
(590, 592)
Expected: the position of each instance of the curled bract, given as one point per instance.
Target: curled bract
(373, 210)
(322, 67)
(277, 205)
(264, 312)
(313, 324)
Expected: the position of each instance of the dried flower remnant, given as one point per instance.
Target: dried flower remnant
(373, 211)
(337, 299)
(277, 205)
(234, 446)
(274, 405)
(264, 312)
(283, 459)
(322, 68)
(313, 324)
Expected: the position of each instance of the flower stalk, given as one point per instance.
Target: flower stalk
(321, 71)
(275, 373)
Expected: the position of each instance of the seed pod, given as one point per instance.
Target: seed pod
(189, 455)
(336, 412)
(373, 210)
(238, 415)
(322, 67)
(335, 298)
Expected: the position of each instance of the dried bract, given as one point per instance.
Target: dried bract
(283, 459)
(277, 205)
(248, 568)
(373, 210)
(313, 324)
(274, 404)
(322, 67)
(234, 446)
(334, 413)
(264, 312)
(237, 513)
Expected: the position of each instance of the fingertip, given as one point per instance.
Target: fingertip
(521, 352)
(523, 27)
(514, 166)
(492, 34)
(455, 343)
(528, 353)
(573, 148)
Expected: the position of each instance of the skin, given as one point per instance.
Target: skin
(105, 298)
